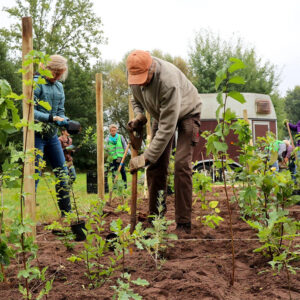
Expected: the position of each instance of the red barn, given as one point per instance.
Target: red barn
(261, 115)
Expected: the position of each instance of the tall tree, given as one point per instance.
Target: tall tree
(210, 53)
(115, 95)
(178, 61)
(292, 104)
(68, 27)
(279, 105)
(80, 95)
(8, 69)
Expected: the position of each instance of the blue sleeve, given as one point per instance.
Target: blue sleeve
(61, 104)
(38, 115)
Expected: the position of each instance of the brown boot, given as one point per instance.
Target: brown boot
(183, 230)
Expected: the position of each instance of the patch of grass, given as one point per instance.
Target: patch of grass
(46, 210)
(46, 200)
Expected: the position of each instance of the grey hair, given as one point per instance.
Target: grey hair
(58, 63)
(113, 126)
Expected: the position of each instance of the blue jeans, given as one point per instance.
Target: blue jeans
(113, 167)
(72, 173)
(276, 165)
(52, 149)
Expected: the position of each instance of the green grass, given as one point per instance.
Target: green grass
(46, 210)
(46, 201)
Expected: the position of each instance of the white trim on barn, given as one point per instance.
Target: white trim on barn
(210, 104)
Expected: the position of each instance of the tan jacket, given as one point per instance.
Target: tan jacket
(168, 98)
(66, 142)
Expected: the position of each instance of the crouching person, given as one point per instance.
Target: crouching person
(173, 102)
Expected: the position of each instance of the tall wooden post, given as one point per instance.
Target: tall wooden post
(28, 115)
(134, 153)
(100, 135)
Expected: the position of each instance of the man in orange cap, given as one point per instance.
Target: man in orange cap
(173, 102)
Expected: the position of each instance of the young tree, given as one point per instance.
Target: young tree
(210, 53)
(70, 28)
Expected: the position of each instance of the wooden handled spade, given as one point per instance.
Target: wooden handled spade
(136, 138)
(291, 138)
(290, 134)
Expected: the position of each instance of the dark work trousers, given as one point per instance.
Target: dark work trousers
(157, 173)
(113, 167)
(51, 148)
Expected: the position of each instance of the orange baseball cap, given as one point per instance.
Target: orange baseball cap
(138, 64)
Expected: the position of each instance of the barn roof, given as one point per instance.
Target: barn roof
(210, 104)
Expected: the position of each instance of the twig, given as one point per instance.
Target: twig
(227, 197)
(55, 203)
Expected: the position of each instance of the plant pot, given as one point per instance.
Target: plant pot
(111, 239)
(91, 182)
(77, 229)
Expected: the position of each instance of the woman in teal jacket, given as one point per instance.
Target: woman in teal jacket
(47, 141)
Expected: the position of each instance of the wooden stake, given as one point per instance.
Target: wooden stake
(134, 153)
(245, 115)
(100, 135)
(28, 115)
(148, 128)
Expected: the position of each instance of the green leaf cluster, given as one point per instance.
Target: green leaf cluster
(156, 238)
(70, 28)
(210, 53)
(123, 290)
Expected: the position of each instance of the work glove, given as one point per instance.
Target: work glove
(62, 123)
(136, 163)
(137, 123)
(285, 121)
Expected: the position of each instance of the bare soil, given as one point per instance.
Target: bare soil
(197, 267)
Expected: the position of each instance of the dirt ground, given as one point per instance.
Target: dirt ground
(196, 268)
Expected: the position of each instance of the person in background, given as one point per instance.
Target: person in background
(66, 144)
(47, 142)
(289, 158)
(277, 149)
(173, 102)
(115, 145)
(295, 128)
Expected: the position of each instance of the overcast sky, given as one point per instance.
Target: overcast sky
(271, 26)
